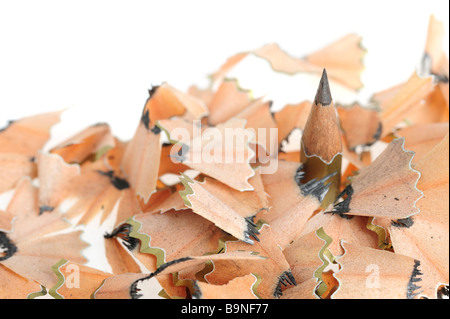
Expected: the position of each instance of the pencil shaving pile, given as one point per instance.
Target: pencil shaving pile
(332, 221)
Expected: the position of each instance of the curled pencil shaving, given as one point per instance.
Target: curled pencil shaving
(37, 239)
(291, 204)
(232, 259)
(386, 188)
(235, 218)
(371, 273)
(20, 142)
(425, 236)
(346, 69)
(275, 272)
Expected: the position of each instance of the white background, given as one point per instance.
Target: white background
(97, 59)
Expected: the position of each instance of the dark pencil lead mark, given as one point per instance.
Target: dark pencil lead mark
(251, 231)
(323, 94)
(425, 70)
(377, 134)
(99, 124)
(442, 292)
(299, 174)
(180, 157)
(291, 278)
(8, 124)
(134, 289)
(44, 208)
(425, 65)
(7, 246)
(314, 187)
(197, 294)
(118, 182)
(343, 206)
(170, 263)
(415, 277)
(123, 232)
(250, 221)
(156, 130)
(285, 279)
(441, 78)
(145, 119)
(403, 223)
(153, 90)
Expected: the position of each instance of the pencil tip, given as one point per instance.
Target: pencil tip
(323, 95)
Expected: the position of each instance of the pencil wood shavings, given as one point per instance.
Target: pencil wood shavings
(292, 202)
(229, 165)
(233, 261)
(168, 162)
(374, 192)
(305, 290)
(372, 274)
(302, 257)
(35, 243)
(291, 117)
(85, 143)
(238, 288)
(426, 238)
(143, 148)
(435, 61)
(19, 143)
(360, 125)
(275, 272)
(54, 176)
(236, 209)
(344, 201)
(227, 101)
(96, 191)
(352, 229)
(423, 98)
(422, 137)
(345, 66)
(259, 118)
(70, 275)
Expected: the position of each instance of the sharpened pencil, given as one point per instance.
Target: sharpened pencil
(321, 144)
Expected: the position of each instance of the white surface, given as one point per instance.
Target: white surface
(99, 58)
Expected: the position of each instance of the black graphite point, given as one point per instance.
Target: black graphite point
(323, 94)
